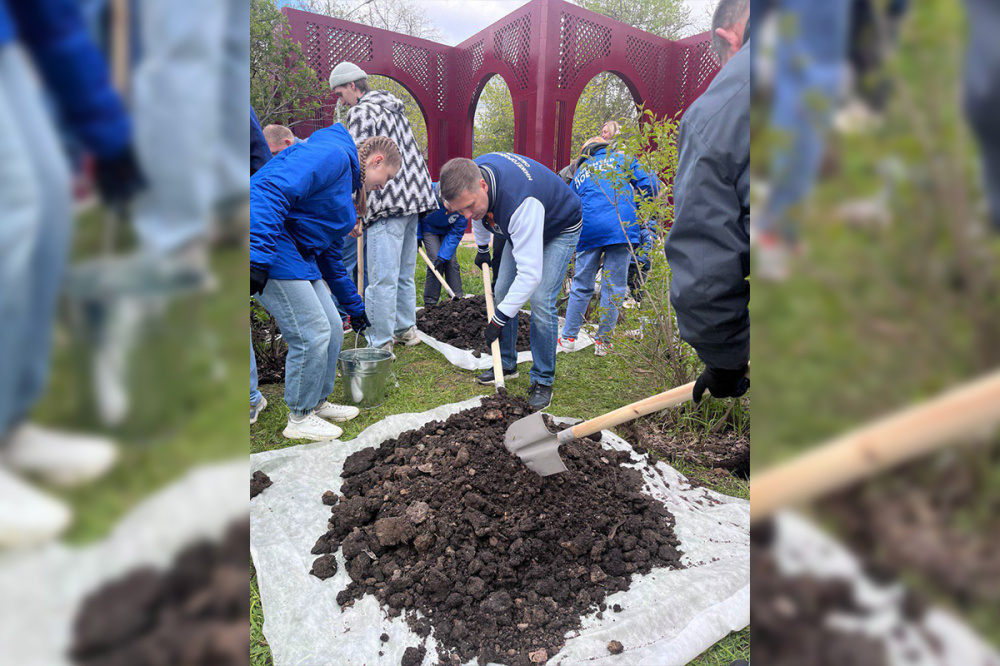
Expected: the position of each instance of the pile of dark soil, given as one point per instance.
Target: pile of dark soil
(259, 482)
(938, 518)
(268, 347)
(790, 616)
(460, 324)
(727, 450)
(197, 613)
(501, 562)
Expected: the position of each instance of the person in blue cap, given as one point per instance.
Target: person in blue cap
(302, 205)
(439, 233)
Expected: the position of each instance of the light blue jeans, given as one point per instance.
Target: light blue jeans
(188, 88)
(391, 294)
(614, 288)
(311, 326)
(544, 319)
(811, 62)
(255, 396)
(35, 235)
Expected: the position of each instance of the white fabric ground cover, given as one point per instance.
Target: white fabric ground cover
(668, 617)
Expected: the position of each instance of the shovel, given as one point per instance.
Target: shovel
(495, 347)
(539, 449)
(361, 266)
(430, 267)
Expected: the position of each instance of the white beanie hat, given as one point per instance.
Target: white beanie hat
(346, 72)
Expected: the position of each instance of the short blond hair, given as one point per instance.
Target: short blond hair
(277, 133)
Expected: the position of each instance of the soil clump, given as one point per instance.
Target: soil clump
(460, 323)
(259, 482)
(195, 613)
(499, 561)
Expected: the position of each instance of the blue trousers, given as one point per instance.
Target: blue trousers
(614, 288)
(982, 92)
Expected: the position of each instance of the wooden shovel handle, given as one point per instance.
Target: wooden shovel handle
(907, 435)
(659, 402)
(430, 267)
(361, 266)
(495, 347)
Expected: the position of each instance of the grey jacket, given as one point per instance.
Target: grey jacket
(709, 245)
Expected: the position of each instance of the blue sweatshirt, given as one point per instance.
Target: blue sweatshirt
(301, 208)
(442, 223)
(74, 71)
(608, 192)
(530, 205)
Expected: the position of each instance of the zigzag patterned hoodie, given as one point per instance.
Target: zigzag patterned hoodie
(379, 113)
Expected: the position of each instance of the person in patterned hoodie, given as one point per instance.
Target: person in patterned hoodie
(393, 213)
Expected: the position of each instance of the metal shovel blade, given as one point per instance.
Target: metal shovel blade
(532, 442)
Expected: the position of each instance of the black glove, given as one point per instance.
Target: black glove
(360, 322)
(483, 256)
(258, 280)
(119, 178)
(420, 242)
(439, 265)
(722, 383)
(492, 330)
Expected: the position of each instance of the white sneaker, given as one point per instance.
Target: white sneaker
(331, 412)
(409, 337)
(28, 517)
(255, 411)
(569, 344)
(601, 348)
(311, 427)
(61, 458)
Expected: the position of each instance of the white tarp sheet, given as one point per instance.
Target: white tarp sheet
(43, 588)
(668, 617)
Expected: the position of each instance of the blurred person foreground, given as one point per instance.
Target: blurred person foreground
(119, 346)
(880, 291)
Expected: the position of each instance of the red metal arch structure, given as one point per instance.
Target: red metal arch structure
(546, 51)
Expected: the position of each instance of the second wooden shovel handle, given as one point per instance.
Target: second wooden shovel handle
(495, 347)
(658, 402)
(430, 267)
(361, 266)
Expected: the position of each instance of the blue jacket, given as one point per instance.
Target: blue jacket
(74, 71)
(442, 223)
(609, 205)
(529, 205)
(260, 154)
(302, 200)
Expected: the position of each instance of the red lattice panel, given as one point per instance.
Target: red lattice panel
(512, 45)
(696, 66)
(646, 58)
(439, 80)
(327, 46)
(469, 62)
(581, 42)
(413, 60)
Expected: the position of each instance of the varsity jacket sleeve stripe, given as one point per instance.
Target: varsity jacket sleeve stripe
(527, 228)
(481, 234)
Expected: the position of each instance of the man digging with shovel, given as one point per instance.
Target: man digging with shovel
(518, 199)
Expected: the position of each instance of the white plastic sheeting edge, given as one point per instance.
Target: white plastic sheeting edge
(668, 617)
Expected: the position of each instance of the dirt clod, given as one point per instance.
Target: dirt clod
(501, 563)
(615, 647)
(197, 612)
(414, 656)
(258, 483)
(330, 498)
(324, 567)
(461, 323)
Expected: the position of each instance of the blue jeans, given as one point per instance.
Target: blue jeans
(255, 396)
(811, 63)
(192, 74)
(391, 294)
(982, 93)
(544, 320)
(35, 234)
(311, 326)
(614, 288)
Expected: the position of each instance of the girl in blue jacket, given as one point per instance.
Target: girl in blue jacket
(608, 185)
(302, 205)
(439, 233)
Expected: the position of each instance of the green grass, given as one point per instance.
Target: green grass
(585, 386)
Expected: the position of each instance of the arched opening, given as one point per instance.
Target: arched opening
(605, 97)
(492, 115)
(413, 111)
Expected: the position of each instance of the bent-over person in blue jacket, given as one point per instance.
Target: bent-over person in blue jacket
(608, 185)
(516, 198)
(439, 233)
(302, 205)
